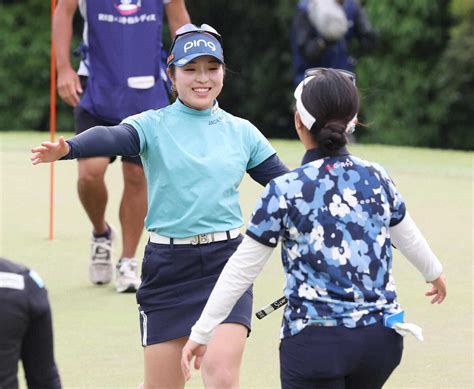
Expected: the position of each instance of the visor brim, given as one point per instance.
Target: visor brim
(188, 58)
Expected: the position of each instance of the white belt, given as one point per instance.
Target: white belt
(197, 239)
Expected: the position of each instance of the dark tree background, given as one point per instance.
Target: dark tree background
(258, 84)
(417, 88)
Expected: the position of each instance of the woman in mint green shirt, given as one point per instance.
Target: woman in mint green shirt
(194, 156)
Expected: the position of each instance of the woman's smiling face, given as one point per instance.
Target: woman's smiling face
(199, 82)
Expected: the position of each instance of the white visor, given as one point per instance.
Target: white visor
(307, 119)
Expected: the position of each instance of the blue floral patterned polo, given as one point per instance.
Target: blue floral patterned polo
(333, 216)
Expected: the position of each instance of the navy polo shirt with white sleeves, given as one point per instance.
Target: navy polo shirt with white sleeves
(333, 216)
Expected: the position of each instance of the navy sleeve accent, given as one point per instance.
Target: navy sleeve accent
(102, 141)
(269, 169)
(260, 240)
(403, 212)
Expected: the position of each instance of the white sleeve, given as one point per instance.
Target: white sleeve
(236, 277)
(407, 238)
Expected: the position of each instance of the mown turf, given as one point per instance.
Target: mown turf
(96, 330)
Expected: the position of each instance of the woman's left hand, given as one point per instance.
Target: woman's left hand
(190, 350)
(438, 290)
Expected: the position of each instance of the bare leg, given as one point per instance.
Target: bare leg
(92, 190)
(132, 207)
(163, 365)
(221, 363)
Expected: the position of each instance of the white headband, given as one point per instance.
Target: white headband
(307, 119)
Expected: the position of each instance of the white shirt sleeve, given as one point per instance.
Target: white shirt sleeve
(407, 238)
(236, 277)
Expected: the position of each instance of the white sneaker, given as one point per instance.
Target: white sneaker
(127, 278)
(100, 267)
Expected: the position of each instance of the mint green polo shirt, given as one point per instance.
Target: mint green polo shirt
(194, 162)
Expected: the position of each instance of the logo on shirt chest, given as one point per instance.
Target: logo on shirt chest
(128, 7)
(215, 120)
(337, 165)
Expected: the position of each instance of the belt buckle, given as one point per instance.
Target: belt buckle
(202, 239)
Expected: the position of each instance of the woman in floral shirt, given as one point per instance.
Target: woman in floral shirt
(337, 217)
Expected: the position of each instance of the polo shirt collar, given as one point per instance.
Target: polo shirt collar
(180, 106)
(315, 154)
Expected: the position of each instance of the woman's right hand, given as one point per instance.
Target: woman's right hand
(49, 151)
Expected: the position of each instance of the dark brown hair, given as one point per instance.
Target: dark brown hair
(332, 99)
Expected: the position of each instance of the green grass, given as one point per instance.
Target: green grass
(96, 330)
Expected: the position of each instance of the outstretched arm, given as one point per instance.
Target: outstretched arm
(407, 238)
(97, 141)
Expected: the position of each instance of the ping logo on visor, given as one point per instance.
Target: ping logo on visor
(198, 42)
(192, 41)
